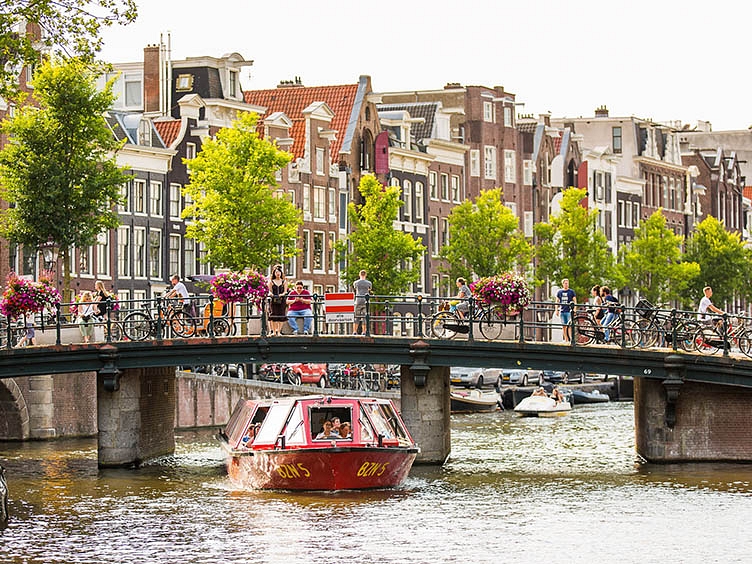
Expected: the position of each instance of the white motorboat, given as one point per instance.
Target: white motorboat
(469, 401)
(542, 406)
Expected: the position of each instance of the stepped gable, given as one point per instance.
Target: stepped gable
(293, 100)
(168, 130)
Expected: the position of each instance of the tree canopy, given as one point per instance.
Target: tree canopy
(725, 264)
(70, 27)
(571, 246)
(235, 212)
(58, 171)
(652, 263)
(390, 257)
(484, 238)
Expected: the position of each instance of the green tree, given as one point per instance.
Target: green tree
(70, 27)
(725, 264)
(652, 263)
(390, 257)
(571, 246)
(484, 238)
(235, 212)
(58, 170)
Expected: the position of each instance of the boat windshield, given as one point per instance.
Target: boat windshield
(295, 431)
(382, 425)
(273, 423)
(394, 421)
(366, 430)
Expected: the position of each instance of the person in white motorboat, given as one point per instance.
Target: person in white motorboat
(540, 392)
(557, 396)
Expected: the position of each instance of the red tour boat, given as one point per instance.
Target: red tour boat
(293, 444)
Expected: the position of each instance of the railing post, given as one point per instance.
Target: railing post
(210, 329)
(160, 325)
(673, 329)
(725, 336)
(572, 325)
(9, 331)
(521, 337)
(367, 320)
(622, 321)
(108, 321)
(470, 319)
(264, 323)
(420, 315)
(316, 314)
(58, 322)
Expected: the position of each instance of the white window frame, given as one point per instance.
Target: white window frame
(125, 194)
(124, 251)
(175, 192)
(444, 187)
(140, 252)
(174, 254)
(319, 203)
(103, 254)
(155, 198)
(489, 112)
(407, 198)
(510, 166)
(332, 204)
(154, 250)
(306, 251)
(435, 246)
(433, 185)
(307, 201)
(139, 196)
(527, 172)
(318, 255)
(474, 162)
(456, 188)
(419, 201)
(189, 256)
(320, 161)
(489, 162)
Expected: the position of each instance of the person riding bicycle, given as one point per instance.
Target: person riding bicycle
(180, 292)
(461, 305)
(706, 304)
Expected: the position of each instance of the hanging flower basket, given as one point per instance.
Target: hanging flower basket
(234, 287)
(509, 291)
(22, 297)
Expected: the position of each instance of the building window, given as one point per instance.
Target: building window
(190, 150)
(332, 205)
(189, 257)
(319, 202)
(434, 236)
(489, 160)
(510, 166)
(84, 261)
(419, 201)
(133, 90)
(616, 139)
(233, 86)
(125, 205)
(318, 251)
(320, 161)
(474, 162)
(174, 259)
(175, 209)
(103, 254)
(432, 186)
(330, 255)
(445, 187)
(155, 253)
(456, 190)
(139, 196)
(155, 196)
(635, 214)
(508, 116)
(444, 231)
(527, 172)
(124, 252)
(307, 200)
(488, 112)
(306, 248)
(139, 252)
(407, 197)
(203, 264)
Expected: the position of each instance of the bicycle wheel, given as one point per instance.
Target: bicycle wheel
(632, 335)
(220, 327)
(586, 330)
(744, 339)
(707, 340)
(137, 326)
(181, 324)
(685, 333)
(291, 377)
(442, 325)
(649, 333)
(492, 323)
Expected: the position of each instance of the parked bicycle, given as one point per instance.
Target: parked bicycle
(279, 373)
(724, 335)
(657, 327)
(622, 331)
(446, 324)
(172, 319)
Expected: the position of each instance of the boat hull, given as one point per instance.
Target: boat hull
(540, 406)
(321, 469)
(467, 403)
(580, 397)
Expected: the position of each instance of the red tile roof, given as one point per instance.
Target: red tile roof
(748, 192)
(168, 130)
(292, 101)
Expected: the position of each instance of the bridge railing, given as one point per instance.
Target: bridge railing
(426, 317)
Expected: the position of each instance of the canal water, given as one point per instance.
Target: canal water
(568, 489)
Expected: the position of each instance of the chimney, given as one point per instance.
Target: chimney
(151, 78)
(601, 111)
(452, 85)
(296, 83)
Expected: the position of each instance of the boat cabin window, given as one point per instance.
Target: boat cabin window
(394, 421)
(238, 421)
(320, 413)
(366, 430)
(386, 423)
(273, 423)
(295, 431)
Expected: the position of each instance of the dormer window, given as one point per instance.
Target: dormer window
(184, 83)
(233, 84)
(144, 132)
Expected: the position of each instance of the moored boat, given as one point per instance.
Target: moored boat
(279, 444)
(469, 401)
(594, 396)
(542, 406)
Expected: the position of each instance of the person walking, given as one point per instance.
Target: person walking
(299, 305)
(609, 303)
(566, 298)
(278, 308)
(363, 288)
(86, 312)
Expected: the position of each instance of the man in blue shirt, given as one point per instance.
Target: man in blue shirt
(566, 297)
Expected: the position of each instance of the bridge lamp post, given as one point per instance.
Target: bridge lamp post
(50, 251)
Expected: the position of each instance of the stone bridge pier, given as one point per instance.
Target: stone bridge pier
(684, 421)
(135, 415)
(425, 408)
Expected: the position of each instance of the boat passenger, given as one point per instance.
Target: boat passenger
(540, 391)
(557, 396)
(328, 432)
(250, 433)
(335, 425)
(345, 430)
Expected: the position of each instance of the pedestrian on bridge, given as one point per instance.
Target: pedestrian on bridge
(566, 298)
(363, 287)
(86, 312)
(299, 305)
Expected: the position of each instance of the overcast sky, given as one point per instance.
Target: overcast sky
(658, 59)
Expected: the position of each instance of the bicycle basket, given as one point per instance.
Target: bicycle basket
(645, 309)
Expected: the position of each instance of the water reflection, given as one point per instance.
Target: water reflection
(568, 489)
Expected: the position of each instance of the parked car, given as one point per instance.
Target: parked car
(230, 370)
(520, 377)
(311, 373)
(470, 377)
(563, 377)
